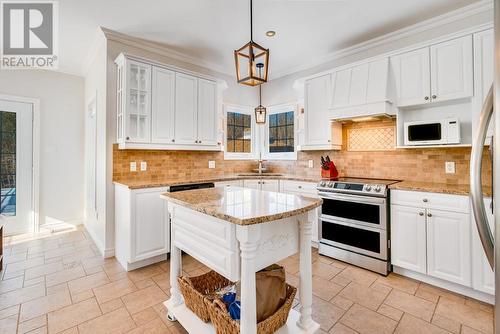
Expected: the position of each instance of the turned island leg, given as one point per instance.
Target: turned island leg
(305, 226)
(175, 271)
(248, 237)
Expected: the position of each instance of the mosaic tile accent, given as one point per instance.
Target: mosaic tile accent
(371, 139)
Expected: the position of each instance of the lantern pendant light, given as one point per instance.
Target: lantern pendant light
(260, 111)
(251, 60)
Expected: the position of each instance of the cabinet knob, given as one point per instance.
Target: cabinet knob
(425, 200)
(300, 187)
(128, 138)
(434, 96)
(329, 141)
(199, 141)
(420, 213)
(429, 214)
(426, 98)
(173, 140)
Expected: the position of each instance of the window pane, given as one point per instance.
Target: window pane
(281, 132)
(247, 119)
(8, 163)
(239, 133)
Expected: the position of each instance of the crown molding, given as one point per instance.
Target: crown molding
(432, 23)
(162, 49)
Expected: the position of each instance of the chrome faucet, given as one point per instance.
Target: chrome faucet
(261, 167)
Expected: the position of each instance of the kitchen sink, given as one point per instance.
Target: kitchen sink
(260, 174)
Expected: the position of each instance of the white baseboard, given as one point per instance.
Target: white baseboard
(457, 288)
(97, 242)
(139, 264)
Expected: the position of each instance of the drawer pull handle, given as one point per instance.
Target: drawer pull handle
(425, 200)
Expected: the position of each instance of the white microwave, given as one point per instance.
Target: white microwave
(441, 132)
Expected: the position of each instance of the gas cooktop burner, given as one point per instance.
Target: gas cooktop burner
(371, 187)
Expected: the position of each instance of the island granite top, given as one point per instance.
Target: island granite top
(243, 206)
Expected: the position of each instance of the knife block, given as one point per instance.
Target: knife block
(330, 173)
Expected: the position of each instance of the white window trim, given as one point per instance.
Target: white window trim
(276, 110)
(242, 110)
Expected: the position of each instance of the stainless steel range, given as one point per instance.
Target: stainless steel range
(355, 222)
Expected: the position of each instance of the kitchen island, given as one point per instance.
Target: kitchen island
(237, 232)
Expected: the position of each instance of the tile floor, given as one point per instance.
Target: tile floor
(57, 283)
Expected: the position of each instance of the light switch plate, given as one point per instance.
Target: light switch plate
(211, 164)
(450, 167)
(311, 163)
(144, 166)
(133, 166)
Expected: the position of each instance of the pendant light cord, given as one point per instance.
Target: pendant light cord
(260, 94)
(251, 20)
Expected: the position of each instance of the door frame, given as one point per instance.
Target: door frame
(36, 153)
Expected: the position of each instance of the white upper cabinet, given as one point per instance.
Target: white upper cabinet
(341, 88)
(437, 73)
(451, 69)
(318, 129)
(408, 238)
(186, 109)
(361, 90)
(207, 112)
(133, 101)
(484, 46)
(163, 106)
(412, 77)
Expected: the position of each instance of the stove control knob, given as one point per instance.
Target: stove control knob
(368, 187)
(378, 188)
(330, 184)
(322, 184)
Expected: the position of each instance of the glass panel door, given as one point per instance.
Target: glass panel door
(139, 105)
(16, 167)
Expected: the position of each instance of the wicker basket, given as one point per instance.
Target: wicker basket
(225, 325)
(196, 289)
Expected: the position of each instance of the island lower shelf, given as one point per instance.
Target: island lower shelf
(193, 324)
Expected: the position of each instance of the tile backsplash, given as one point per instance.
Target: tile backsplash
(378, 160)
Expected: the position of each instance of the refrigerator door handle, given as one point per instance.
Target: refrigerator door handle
(476, 187)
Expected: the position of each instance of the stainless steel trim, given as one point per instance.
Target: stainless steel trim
(476, 187)
(380, 202)
(382, 239)
(376, 265)
(352, 198)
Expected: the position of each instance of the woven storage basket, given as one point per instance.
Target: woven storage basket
(196, 289)
(225, 325)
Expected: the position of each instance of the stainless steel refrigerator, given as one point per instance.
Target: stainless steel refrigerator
(490, 112)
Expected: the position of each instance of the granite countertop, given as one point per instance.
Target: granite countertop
(243, 176)
(445, 188)
(243, 206)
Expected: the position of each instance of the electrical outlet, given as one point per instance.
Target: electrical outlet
(450, 167)
(211, 164)
(133, 166)
(311, 163)
(144, 166)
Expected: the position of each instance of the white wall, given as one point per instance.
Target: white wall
(95, 88)
(281, 90)
(61, 139)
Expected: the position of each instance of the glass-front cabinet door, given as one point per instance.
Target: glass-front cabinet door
(134, 118)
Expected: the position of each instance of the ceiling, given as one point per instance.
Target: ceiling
(307, 30)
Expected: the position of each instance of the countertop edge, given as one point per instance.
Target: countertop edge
(249, 221)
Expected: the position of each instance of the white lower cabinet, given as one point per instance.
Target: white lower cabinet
(307, 189)
(408, 238)
(483, 277)
(233, 183)
(448, 246)
(142, 229)
(260, 184)
(434, 239)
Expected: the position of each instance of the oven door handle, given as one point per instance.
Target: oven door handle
(352, 198)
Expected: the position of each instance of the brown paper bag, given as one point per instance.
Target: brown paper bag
(271, 290)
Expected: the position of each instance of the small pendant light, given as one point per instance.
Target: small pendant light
(251, 60)
(260, 111)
